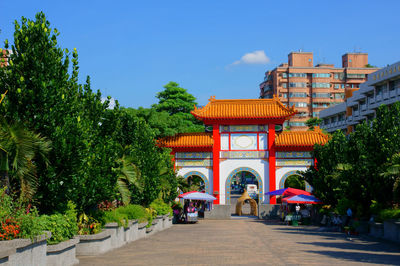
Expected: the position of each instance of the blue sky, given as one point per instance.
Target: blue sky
(132, 48)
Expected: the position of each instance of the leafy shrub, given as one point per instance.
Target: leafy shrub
(133, 211)
(116, 216)
(161, 207)
(16, 220)
(87, 225)
(388, 214)
(61, 226)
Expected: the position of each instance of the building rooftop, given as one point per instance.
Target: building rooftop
(192, 140)
(301, 138)
(244, 109)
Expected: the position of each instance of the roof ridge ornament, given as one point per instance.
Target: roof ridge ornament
(212, 98)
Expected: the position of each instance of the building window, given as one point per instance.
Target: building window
(355, 76)
(321, 75)
(298, 104)
(321, 95)
(315, 114)
(298, 84)
(284, 75)
(297, 75)
(321, 85)
(337, 86)
(298, 95)
(342, 86)
(284, 95)
(297, 124)
(339, 95)
(284, 85)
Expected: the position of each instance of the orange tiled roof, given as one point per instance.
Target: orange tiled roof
(301, 138)
(187, 140)
(246, 108)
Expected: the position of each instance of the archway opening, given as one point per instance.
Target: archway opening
(195, 182)
(243, 181)
(295, 181)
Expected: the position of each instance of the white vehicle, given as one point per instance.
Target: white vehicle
(252, 190)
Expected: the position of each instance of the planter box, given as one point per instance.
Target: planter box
(131, 233)
(94, 244)
(117, 234)
(391, 230)
(165, 221)
(62, 254)
(24, 251)
(376, 229)
(142, 230)
(158, 226)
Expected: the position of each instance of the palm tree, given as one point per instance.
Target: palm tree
(19, 150)
(127, 174)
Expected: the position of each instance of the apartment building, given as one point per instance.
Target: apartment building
(4, 57)
(313, 88)
(382, 87)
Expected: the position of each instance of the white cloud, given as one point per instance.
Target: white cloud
(256, 57)
(111, 104)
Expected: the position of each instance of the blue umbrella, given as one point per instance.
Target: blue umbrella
(302, 199)
(276, 192)
(199, 196)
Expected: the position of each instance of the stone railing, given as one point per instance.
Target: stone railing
(37, 252)
(389, 230)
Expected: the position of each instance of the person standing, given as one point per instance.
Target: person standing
(349, 215)
(297, 209)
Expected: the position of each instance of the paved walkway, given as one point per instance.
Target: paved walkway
(248, 242)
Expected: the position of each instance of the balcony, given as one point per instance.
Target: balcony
(392, 93)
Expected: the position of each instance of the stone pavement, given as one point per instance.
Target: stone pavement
(248, 242)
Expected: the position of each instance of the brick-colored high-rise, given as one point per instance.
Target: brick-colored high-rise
(313, 88)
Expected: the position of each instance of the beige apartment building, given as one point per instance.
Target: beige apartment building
(310, 88)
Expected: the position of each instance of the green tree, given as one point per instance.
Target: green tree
(313, 122)
(20, 149)
(174, 100)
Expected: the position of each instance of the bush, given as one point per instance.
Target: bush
(61, 226)
(115, 216)
(388, 214)
(16, 220)
(161, 207)
(133, 212)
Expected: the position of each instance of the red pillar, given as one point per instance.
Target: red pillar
(271, 160)
(216, 149)
(173, 159)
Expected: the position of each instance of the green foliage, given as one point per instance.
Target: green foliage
(62, 226)
(128, 174)
(313, 122)
(174, 100)
(134, 212)
(361, 167)
(161, 207)
(19, 150)
(115, 216)
(87, 225)
(389, 214)
(295, 181)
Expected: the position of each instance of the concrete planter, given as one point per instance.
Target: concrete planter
(391, 230)
(142, 230)
(94, 244)
(117, 234)
(131, 233)
(24, 251)
(150, 230)
(62, 254)
(158, 226)
(362, 227)
(376, 230)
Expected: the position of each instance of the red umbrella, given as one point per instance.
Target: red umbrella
(294, 191)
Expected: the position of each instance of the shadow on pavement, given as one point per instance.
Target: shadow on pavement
(361, 257)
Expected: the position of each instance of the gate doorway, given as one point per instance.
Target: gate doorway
(243, 182)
